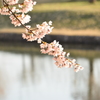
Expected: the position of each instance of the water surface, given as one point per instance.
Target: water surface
(31, 76)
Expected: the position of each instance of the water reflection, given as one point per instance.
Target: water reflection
(35, 77)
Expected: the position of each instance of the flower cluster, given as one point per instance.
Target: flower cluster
(60, 57)
(22, 17)
(38, 33)
(17, 14)
(26, 6)
(5, 10)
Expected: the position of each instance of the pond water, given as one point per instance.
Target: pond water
(31, 76)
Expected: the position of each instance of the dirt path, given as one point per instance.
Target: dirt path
(69, 32)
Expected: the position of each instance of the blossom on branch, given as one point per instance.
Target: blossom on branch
(60, 57)
(21, 19)
(5, 10)
(38, 33)
(26, 6)
(17, 14)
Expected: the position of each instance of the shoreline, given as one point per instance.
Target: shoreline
(61, 31)
(63, 39)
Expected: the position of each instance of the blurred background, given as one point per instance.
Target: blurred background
(26, 74)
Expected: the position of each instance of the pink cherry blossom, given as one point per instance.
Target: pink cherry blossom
(18, 18)
(61, 60)
(39, 32)
(4, 11)
(39, 40)
(27, 6)
(22, 17)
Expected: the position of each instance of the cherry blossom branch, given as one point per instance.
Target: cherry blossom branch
(19, 18)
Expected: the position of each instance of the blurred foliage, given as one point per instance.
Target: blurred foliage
(26, 48)
(49, 1)
(74, 15)
(72, 6)
(61, 19)
(68, 19)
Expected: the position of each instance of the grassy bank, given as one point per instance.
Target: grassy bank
(71, 6)
(71, 15)
(68, 17)
(61, 19)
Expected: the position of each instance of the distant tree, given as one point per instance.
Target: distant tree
(92, 1)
